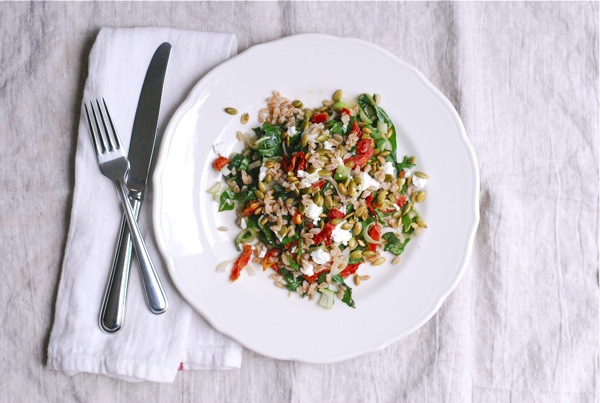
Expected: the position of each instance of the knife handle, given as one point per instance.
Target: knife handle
(113, 306)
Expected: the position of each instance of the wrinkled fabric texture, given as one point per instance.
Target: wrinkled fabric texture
(522, 325)
(149, 347)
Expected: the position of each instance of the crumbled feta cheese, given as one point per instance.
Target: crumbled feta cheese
(419, 183)
(291, 131)
(243, 224)
(367, 182)
(262, 253)
(308, 269)
(319, 256)
(389, 169)
(262, 174)
(339, 235)
(339, 161)
(313, 212)
(327, 145)
(308, 179)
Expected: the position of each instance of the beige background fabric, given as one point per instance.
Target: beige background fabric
(522, 324)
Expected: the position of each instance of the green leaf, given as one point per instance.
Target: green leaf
(269, 144)
(404, 164)
(347, 298)
(337, 128)
(393, 243)
(289, 239)
(226, 200)
(292, 283)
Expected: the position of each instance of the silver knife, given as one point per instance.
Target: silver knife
(141, 148)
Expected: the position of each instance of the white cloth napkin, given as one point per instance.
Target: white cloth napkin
(149, 347)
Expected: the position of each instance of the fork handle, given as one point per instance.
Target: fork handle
(112, 313)
(155, 294)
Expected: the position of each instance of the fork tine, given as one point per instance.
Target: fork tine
(109, 143)
(109, 129)
(101, 134)
(114, 139)
(93, 131)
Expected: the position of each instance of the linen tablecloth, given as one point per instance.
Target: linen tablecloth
(523, 323)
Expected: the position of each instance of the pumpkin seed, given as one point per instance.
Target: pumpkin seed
(297, 104)
(296, 193)
(421, 175)
(245, 118)
(337, 95)
(352, 189)
(301, 208)
(385, 153)
(406, 208)
(322, 138)
(231, 111)
(282, 231)
(368, 253)
(324, 172)
(360, 210)
(412, 160)
(346, 226)
(389, 177)
(258, 210)
(420, 222)
(262, 187)
(357, 280)
(328, 202)
(304, 140)
(378, 261)
(318, 199)
(361, 243)
(357, 254)
(381, 196)
(357, 228)
(420, 198)
(365, 214)
(304, 125)
(308, 114)
(268, 178)
(259, 194)
(336, 221)
(263, 220)
(352, 243)
(342, 188)
(366, 130)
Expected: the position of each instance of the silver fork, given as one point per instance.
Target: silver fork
(115, 165)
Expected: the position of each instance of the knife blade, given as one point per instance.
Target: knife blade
(141, 150)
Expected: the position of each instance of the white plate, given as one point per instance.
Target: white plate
(398, 299)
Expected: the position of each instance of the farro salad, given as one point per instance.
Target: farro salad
(319, 192)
